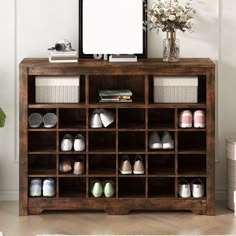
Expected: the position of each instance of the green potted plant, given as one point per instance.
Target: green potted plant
(2, 118)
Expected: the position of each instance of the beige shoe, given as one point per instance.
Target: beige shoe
(65, 166)
(125, 166)
(79, 166)
(138, 165)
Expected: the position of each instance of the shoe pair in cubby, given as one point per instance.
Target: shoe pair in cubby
(69, 143)
(77, 165)
(101, 118)
(126, 167)
(194, 188)
(39, 187)
(165, 142)
(36, 120)
(98, 188)
(187, 119)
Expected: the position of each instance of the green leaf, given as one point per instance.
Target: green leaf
(2, 118)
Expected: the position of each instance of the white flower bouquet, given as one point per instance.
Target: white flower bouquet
(170, 16)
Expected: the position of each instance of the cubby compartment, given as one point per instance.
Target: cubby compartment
(193, 194)
(161, 118)
(69, 161)
(42, 165)
(36, 187)
(131, 187)
(102, 141)
(202, 89)
(42, 141)
(131, 141)
(161, 164)
(72, 118)
(72, 187)
(32, 89)
(191, 110)
(42, 112)
(102, 165)
(161, 187)
(192, 165)
(135, 83)
(131, 118)
(192, 141)
(100, 185)
(132, 158)
(162, 145)
(81, 145)
(102, 119)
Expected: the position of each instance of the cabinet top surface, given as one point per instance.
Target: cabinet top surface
(147, 62)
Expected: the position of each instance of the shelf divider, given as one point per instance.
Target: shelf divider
(117, 151)
(87, 157)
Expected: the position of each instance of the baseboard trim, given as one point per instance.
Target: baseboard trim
(13, 195)
(220, 194)
(9, 195)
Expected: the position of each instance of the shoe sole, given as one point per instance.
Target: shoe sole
(185, 196)
(185, 125)
(156, 146)
(138, 172)
(95, 126)
(126, 172)
(168, 146)
(36, 193)
(97, 195)
(199, 125)
(48, 194)
(78, 172)
(109, 195)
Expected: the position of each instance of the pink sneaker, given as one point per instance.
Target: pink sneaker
(185, 119)
(199, 119)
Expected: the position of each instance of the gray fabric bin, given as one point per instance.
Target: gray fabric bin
(175, 89)
(57, 89)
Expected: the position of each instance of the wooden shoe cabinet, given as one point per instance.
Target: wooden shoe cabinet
(157, 189)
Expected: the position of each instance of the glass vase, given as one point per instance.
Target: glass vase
(171, 48)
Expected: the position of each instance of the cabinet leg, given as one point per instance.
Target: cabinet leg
(35, 211)
(117, 211)
(198, 212)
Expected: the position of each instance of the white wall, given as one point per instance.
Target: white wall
(37, 25)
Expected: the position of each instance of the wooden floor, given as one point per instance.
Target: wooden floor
(100, 223)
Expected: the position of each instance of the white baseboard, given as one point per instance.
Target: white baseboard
(13, 195)
(9, 195)
(220, 194)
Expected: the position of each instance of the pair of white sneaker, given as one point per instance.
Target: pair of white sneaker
(68, 143)
(196, 187)
(45, 189)
(165, 142)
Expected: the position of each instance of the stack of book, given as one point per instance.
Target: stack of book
(116, 95)
(63, 56)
